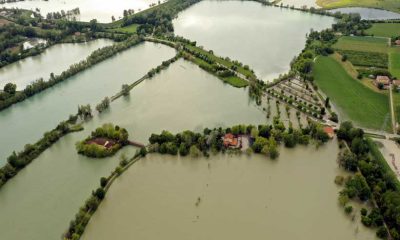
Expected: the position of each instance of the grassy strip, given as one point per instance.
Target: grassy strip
(384, 29)
(349, 94)
(366, 59)
(232, 80)
(226, 62)
(16, 162)
(394, 66)
(362, 44)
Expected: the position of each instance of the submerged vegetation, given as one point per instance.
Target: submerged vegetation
(374, 181)
(8, 99)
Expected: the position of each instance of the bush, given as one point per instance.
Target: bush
(348, 209)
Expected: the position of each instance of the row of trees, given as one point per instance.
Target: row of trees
(78, 224)
(374, 180)
(266, 139)
(17, 161)
(94, 58)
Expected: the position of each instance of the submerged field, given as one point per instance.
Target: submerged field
(228, 197)
(357, 102)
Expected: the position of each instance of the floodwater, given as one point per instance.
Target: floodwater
(89, 9)
(265, 38)
(369, 13)
(26, 121)
(228, 197)
(41, 200)
(54, 59)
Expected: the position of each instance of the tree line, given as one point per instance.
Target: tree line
(7, 99)
(374, 181)
(18, 161)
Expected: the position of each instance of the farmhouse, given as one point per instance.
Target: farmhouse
(382, 82)
(397, 42)
(329, 130)
(230, 140)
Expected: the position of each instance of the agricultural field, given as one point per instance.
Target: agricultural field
(366, 59)
(394, 66)
(384, 29)
(392, 5)
(362, 44)
(349, 94)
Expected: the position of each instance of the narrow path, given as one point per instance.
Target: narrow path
(392, 108)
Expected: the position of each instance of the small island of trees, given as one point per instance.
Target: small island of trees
(103, 142)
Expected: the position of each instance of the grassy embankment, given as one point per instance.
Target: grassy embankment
(359, 103)
(391, 5)
(232, 80)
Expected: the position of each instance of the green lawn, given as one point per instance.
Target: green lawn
(233, 80)
(363, 44)
(357, 102)
(394, 66)
(220, 60)
(392, 5)
(128, 29)
(384, 29)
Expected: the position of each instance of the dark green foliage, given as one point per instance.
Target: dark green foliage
(117, 135)
(99, 193)
(103, 182)
(17, 161)
(348, 209)
(366, 59)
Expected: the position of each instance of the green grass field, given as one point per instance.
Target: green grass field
(384, 29)
(128, 29)
(362, 44)
(357, 102)
(392, 5)
(232, 80)
(366, 59)
(394, 64)
(220, 60)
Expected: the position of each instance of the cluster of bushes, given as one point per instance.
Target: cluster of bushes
(103, 105)
(375, 180)
(265, 138)
(17, 161)
(116, 136)
(366, 59)
(164, 65)
(94, 58)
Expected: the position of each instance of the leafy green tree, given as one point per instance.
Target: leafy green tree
(10, 88)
